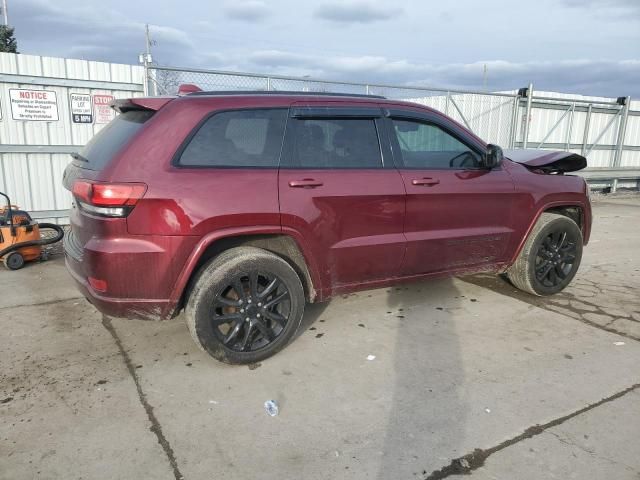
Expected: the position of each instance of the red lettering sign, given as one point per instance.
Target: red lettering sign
(30, 94)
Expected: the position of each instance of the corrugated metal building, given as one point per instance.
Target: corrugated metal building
(33, 154)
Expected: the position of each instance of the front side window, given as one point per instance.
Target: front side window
(335, 143)
(241, 138)
(424, 145)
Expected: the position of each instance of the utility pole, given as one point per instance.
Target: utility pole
(484, 77)
(5, 13)
(146, 36)
(146, 60)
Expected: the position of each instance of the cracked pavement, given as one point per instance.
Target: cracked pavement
(469, 376)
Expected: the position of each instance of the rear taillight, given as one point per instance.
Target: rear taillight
(108, 199)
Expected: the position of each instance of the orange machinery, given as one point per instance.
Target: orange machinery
(20, 239)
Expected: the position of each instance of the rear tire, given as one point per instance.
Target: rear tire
(13, 261)
(246, 305)
(550, 257)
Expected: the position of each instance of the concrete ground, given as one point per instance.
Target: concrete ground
(469, 376)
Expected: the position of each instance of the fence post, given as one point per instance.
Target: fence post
(585, 136)
(514, 121)
(154, 82)
(268, 84)
(617, 159)
(570, 127)
(366, 89)
(145, 80)
(525, 135)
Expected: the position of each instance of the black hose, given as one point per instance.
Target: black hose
(33, 243)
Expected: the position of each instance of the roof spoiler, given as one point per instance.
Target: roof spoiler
(123, 105)
(187, 88)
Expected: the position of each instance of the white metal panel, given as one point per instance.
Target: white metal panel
(29, 65)
(99, 71)
(600, 158)
(77, 69)
(62, 197)
(41, 182)
(54, 67)
(600, 122)
(17, 179)
(137, 75)
(630, 158)
(632, 133)
(8, 62)
(121, 73)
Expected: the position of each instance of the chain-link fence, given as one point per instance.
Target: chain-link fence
(490, 115)
(605, 130)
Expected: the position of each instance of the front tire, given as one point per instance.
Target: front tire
(550, 257)
(245, 305)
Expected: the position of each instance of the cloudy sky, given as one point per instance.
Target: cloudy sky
(577, 46)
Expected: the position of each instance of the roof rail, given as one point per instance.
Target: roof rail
(279, 92)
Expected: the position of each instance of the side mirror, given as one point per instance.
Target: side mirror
(493, 156)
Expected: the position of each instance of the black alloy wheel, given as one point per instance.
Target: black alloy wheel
(550, 257)
(245, 305)
(251, 312)
(556, 257)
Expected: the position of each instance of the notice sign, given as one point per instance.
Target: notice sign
(36, 105)
(104, 113)
(81, 111)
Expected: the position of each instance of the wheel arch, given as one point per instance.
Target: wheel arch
(573, 210)
(272, 240)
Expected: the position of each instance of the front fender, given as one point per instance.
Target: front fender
(548, 203)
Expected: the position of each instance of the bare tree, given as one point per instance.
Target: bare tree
(167, 81)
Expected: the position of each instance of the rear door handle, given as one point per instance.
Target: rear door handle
(426, 181)
(305, 183)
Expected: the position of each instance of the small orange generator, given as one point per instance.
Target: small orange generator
(20, 239)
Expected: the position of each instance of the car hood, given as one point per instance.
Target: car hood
(547, 161)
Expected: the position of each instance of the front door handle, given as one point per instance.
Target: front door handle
(426, 181)
(305, 183)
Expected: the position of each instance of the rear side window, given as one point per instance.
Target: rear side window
(242, 138)
(109, 141)
(335, 143)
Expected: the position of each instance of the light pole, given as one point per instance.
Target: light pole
(5, 13)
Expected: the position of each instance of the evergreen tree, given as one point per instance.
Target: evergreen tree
(8, 42)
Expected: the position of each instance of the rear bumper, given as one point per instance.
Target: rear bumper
(138, 274)
(134, 308)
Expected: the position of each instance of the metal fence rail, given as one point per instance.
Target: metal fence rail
(33, 154)
(594, 127)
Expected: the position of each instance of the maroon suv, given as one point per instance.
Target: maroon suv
(240, 207)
